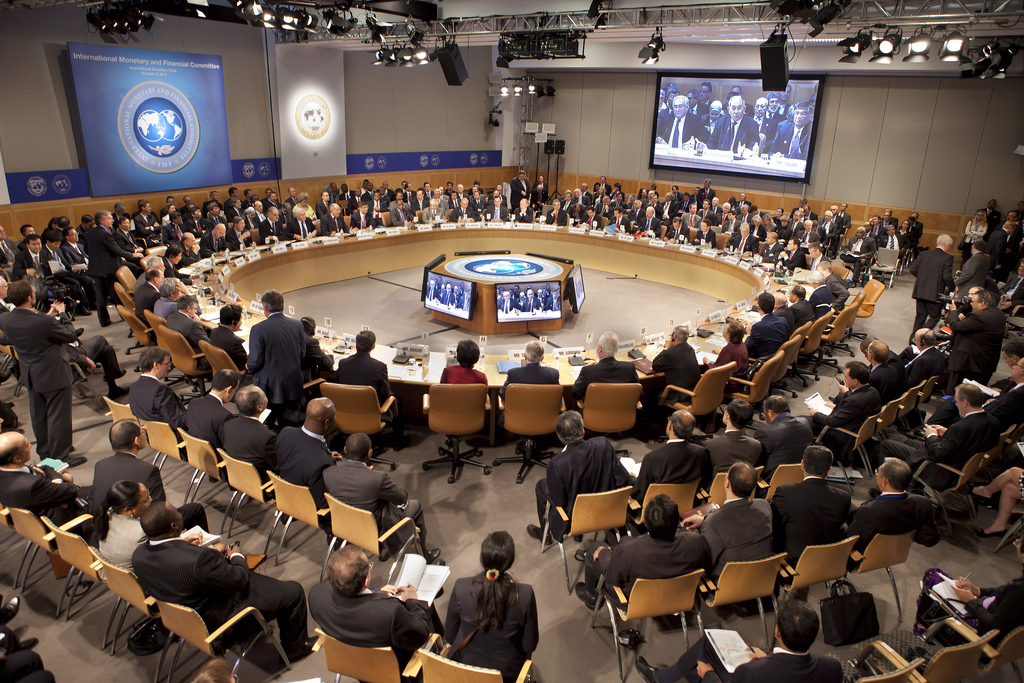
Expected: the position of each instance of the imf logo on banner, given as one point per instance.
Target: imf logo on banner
(36, 186)
(248, 170)
(159, 127)
(473, 159)
(435, 160)
(382, 163)
(264, 169)
(61, 184)
(368, 163)
(424, 160)
(313, 117)
(483, 159)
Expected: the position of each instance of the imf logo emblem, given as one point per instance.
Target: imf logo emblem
(248, 169)
(424, 160)
(473, 159)
(61, 184)
(368, 163)
(159, 127)
(36, 186)
(483, 159)
(435, 160)
(264, 169)
(313, 117)
(382, 163)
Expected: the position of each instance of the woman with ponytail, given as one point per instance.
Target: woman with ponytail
(117, 522)
(492, 619)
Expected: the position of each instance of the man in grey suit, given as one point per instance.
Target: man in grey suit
(740, 530)
(975, 271)
(276, 348)
(355, 483)
(39, 340)
(185, 321)
(933, 271)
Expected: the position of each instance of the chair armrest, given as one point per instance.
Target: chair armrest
(151, 601)
(268, 487)
(197, 356)
(707, 585)
(96, 566)
(234, 620)
(681, 390)
(740, 380)
(561, 513)
(412, 669)
(844, 431)
(81, 519)
(312, 383)
(703, 495)
(786, 571)
(426, 403)
(387, 405)
(633, 504)
(487, 401)
(883, 649)
(323, 513)
(396, 527)
(762, 484)
(524, 673)
(620, 595)
(501, 403)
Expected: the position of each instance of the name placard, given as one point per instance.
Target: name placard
(522, 226)
(393, 232)
(424, 228)
(256, 307)
(654, 338)
(577, 231)
(498, 225)
(622, 238)
(240, 261)
(627, 345)
(568, 351)
(474, 225)
(368, 235)
(332, 240)
(449, 226)
(710, 253)
(547, 228)
(656, 243)
(301, 244)
(233, 297)
(742, 305)
(716, 316)
(732, 260)
(516, 354)
(688, 249)
(745, 265)
(254, 256)
(225, 270)
(594, 233)
(279, 249)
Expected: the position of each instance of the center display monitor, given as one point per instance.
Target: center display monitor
(529, 301)
(451, 295)
(577, 293)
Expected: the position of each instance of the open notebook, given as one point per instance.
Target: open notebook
(427, 579)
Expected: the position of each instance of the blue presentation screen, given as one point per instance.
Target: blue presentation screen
(150, 120)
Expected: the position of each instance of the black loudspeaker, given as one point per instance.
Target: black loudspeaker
(549, 146)
(451, 63)
(559, 146)
(774, 63)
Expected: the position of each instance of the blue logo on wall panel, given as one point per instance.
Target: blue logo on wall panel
(159, 127)
(396, 162)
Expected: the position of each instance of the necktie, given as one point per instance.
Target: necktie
(892, 242)
(648, 224)
(742, 242)
(1012, 290)
(794, 144)
(735, 137)
(35, 260)
(302, 229)
(679, 134)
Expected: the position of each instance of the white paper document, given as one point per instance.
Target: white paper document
(730, 647)
(208, 538)
(427, 579)
(631, 465)
(817, 403)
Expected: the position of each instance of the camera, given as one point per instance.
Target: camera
(49, 293)
(962, 305)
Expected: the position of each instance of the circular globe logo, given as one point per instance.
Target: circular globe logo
(61, 184)
(248, 169)
(503, 267)
(36, 186)
(313, 117)
(159, 127)
(264, 169)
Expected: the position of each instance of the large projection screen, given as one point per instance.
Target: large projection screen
(726, 123)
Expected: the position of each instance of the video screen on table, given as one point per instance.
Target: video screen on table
(577, 293)
(726, 123)
(450, 295)
(529, 301)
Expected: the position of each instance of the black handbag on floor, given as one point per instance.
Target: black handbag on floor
(847, 616)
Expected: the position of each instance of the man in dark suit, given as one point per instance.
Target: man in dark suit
(678, 126)
(810, 512)
(356, 483)
(346, 609)
(532, 372)
(859, 253)
(148, 293)
(649, 224)
(276, 348)
(821, 299)
(741, 529)
(519, 189)
(976, 431)
(223, 336)
(793, 138)
(769, 333)
(41, 490)
(772, 248)
(857, 400)
(39, 341)
(1011, 294)
(974, 272)
(215, 581)
(105, 257)
(796, 627)
(933, 271)
(213, 242)
(783, 438)
(303, 454)
(206, 415)
(800, 307)
(237, 236)
(185, 321)
(794, 257)
(706, 192)
(363, 219)
(589, 466)
(743, 242)
(704, 236)
(679, 363)
(977, 338)
(361, 369)
(893, 511)
(606, 369)
(273, 226)
(300, 227)
(52, 265)
(149, 397)
(888, 378)
(738, 133)
(927, 362)
(663, 552)
(835, 284)
(248, 439)
(73, 253)
(679, 461)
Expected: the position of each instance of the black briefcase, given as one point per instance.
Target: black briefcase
(847, 616)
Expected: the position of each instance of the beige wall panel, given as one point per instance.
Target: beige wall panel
(594, 140)
(630, 127)
(861, 110)
(997, 170)
(903, 140)
(370, 107)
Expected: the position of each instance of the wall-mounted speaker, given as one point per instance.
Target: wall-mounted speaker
(549, 147)
(559, 146)
(774, 63)
(450, 58)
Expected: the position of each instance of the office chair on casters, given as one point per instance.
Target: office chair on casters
(530, 410)
(456, 410)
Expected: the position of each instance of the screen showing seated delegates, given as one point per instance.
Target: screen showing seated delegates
(450, 295)
(729, 124)
(529, 301)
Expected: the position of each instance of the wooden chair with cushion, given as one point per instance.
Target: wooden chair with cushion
(757, 390)
(73, 549)
(366, 664)
(29, 526)
(886, 262)
(437, 669)
(119, 411)
(244, 479)
(143, 334)
(707, 395)
(820, 564)
(716, 492)
(184, 357)
(359, 527)
(1009, 650)
(358, 410)
(456, 410)
(530, 410)
(909, 401)
(683, 495)
(591, 512)
(904, 674)
(742, 581)
(833, 337)
(948, 665)
(884, 552)
(789, 350)
(126, 297)
(611, 408)
(186, 625)
(859, 438)
(294, 502)
(126, 587)
(157, 251)
(960, 489)
(126, 278)
(218, 358)
(651, 598)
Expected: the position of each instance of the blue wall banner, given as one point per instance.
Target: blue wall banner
(151, 121)
(254, 171)
(422, 161)
(44, 186)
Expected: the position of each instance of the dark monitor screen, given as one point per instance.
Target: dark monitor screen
(529, 301)
(578, 292)
(450, 295)
(426, 274)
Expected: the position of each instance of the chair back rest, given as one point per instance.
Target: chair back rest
(357, 408)
(1011, 648)
(217, 357)
(842, 271)
(867, 430)
(142, 332)
(157, 251)
(839, 325)
(741, 581)
(294, 501)
(600, 511)
(763, 378)
(181, 351)
(885, 257)
(125, 277)
(73, 549)
(820, 563)
(532, 409)
(886, 550)
(125, 584)
(242, 476)
(162, 438)
(785, 474)
(29, 526)
(710, 390)
(910, 399)
(813, 339)
(716, 494)
(929, 386)
(872, 292)
(367, 664)
(437, 669)
(858, 301)
(185, 623)
(201, 455)
(660, 597)
(901, 675)
(155, 320)
(803, 330)
(680, 494)
(957, 663)
(977, 461)
(888, 414)
(356, 526)
(789, 351)
(611, 408)
(126, 299)
(119, 411)
(457, 409)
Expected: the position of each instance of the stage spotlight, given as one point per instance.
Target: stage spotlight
(504, 91)
(287, 19)
(822, 17)
(517, 90)
(405, 55)
(551, 91)
(917, 47)
(419, 53)
(531, 89)
(379, 57)
(595, 9)
(338, 24)
(952, 47)
(649, 53)
(886, 47)
(415, 36)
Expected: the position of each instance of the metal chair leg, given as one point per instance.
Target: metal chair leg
(764, 624)
(174, 660)
(28, 567)
(64, 591)
(110, 622)
(120, 623)
(24, 557)
(565, 565)
(284, 535)
(330, 548)
(163, 656)
(598, 600)
(896, 592)
(227, 511)
(270, 536)
(71, 598)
